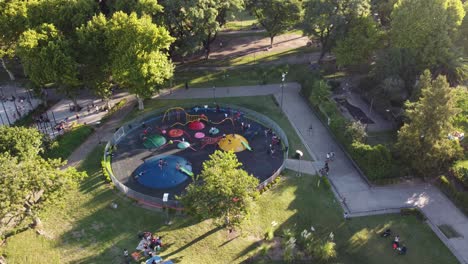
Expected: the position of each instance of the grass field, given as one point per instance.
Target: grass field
(254, 58)
(262, 104)
(241, 76)
(84, 228)
(69, 141)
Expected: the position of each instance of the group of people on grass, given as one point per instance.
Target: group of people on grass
(149, 246)
(396, 243)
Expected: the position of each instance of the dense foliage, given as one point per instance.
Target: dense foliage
(423, 141)
(222, 191)
(29, 182)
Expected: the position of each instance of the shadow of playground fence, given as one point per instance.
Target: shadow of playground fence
(156, 202)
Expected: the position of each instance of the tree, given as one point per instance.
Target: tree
(328, 19)
(28, 186)
(462, 39)
(13, 21)
(396, 63)
(24, 143)
(430, 41)
(276, 16)
(195, 23)
(222, 191)
(28, 181)
(383, 8)
(362, 39)
(95, 56)
(47, 59)
(138, 58)
(65, 15)
(423, 142)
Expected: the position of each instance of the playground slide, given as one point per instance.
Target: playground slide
(184, 170)
(246, 146)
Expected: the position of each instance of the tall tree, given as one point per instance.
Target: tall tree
(13, 21)
(138, 58)
(462, 38)
(359, 43)
(327, 20)
(95, 53)
(383, 9)
(24, 143)
(65, 15)
(47, 57)
(222, 191)
(423, 142)
(276, 16)
(29, 182)
(28, 186)
(430, 41)
(195, 23)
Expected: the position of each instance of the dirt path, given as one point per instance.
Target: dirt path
(227, 46)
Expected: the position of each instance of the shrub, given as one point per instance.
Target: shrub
(105, 170)
(376, 161)
(459, 198)
(326, 252)
(461, 174)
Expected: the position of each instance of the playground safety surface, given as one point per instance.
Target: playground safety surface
(131, 151)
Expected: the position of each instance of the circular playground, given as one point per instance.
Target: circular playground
(161, 153)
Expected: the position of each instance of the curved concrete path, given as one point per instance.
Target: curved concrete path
(361, 198)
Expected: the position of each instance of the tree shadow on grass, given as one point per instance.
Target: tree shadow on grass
(196, 240)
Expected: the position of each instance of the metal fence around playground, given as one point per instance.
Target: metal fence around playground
(156, 202)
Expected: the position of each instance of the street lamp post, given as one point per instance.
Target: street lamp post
(299, 155)
(283, 78)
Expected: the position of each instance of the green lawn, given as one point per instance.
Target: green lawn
(239, 20)
(84, 229)
(69, 141)
(263, 104)
(240, 24)
(241, 76)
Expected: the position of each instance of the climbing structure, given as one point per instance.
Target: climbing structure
(178, 113)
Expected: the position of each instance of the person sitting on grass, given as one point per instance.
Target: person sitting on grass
(387, 233)
(402, 250)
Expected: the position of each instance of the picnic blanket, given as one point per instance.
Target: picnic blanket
(141, 245)
(158, 259)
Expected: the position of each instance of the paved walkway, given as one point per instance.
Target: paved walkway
(361, 198)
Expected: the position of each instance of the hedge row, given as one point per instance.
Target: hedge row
(376, 161)
(461, 174)
(460, 198)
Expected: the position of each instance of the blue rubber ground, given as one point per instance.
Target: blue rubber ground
(151, 175)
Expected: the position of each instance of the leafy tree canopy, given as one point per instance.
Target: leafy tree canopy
(222, 191)
(361, 40)
(21, 142)
(276, 16)
(47, 58)
(423, 142)
(328, 19)
(138, 53)
(29, 185)
(430, 41)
